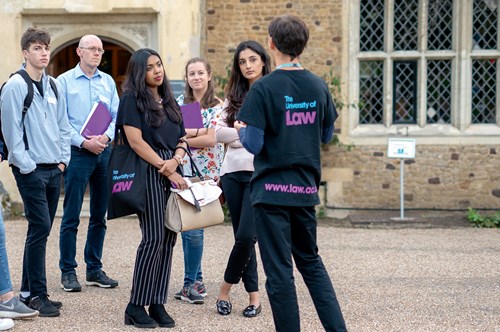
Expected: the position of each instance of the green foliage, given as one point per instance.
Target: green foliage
(227, 216)
(222, 81)
(483, 221)
(335, 86)
(320, 212)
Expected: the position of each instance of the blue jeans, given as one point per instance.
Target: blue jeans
(5, 283)
(192, 246)
(84, 168)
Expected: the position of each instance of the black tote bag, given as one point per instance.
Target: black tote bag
(126, 180)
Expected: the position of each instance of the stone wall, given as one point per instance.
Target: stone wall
(228, 22)
(440, 177)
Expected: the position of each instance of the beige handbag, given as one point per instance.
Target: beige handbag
(196, 207)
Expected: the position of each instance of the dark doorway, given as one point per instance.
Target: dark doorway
(114, 61)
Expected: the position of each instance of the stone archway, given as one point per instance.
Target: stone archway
(121, 33)
(131, 30)
(114, 60)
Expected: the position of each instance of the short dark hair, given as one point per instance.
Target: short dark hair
(289, 34)
(34, 35)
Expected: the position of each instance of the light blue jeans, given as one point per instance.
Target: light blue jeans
(192, 246)
(5, 283)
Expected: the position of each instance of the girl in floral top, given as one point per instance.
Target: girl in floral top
(208, 155)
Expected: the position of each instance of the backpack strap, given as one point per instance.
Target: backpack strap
(54, 87)
(27, 102)
(29, 99)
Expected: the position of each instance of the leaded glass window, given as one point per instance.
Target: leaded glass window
(439, 91)
(371, 91)
(440, 25)
(405, 92)
(484, 89)
(484, 31)
(371, 25)
(412, 64)
(406, 25)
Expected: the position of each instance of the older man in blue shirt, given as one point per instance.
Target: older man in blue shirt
(83, 86)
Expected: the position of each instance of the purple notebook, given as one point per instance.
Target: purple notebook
(97, 121)
(191, 115)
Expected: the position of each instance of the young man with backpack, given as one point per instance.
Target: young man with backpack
(38, 142)
(287, 115)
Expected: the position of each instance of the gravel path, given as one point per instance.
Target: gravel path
(386, 280)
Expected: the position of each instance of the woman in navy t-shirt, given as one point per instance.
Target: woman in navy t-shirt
(152, 123)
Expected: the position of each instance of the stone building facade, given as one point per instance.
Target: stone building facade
(456, 162)
(227, 23)
(422, 69)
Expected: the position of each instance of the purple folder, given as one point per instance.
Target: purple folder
(191, 115)
(97, 121)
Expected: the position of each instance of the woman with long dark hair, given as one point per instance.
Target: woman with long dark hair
(250, 63)
(152, 124)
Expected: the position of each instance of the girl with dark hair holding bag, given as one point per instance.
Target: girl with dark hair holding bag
(250, 63)
(152, 123)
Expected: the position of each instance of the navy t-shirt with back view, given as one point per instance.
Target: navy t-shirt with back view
(291, 107)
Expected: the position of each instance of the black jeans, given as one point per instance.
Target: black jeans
(242, 263)
(40, 192)
(285, 232)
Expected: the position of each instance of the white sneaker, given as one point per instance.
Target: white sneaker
(6, 324)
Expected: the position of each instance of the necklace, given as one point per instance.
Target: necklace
(289, 64)
(160, 101)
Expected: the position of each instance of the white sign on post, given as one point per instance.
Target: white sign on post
(401, 148)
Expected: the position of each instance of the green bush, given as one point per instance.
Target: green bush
(482, 221)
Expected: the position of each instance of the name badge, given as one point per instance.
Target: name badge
(104, 99)
(52, 100)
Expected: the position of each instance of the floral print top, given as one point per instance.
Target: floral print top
(208, 160)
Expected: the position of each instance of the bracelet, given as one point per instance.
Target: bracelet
(178, 158)
(197, 131)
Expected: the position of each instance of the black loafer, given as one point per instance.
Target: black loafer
(252, 311)
(224, 307)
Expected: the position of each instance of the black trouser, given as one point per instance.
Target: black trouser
(242, 263)
(40, 192)
(284, 232)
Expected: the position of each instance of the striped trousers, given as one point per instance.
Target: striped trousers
(153, 261)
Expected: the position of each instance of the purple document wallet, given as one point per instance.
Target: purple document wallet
(191, 115)
(97, 121)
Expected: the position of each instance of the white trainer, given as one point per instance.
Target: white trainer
(6, 324)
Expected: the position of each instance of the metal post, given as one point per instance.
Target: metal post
(402, 188)
(401, 193)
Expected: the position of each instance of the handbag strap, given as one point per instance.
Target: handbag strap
(196, 203)
(194, 167)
